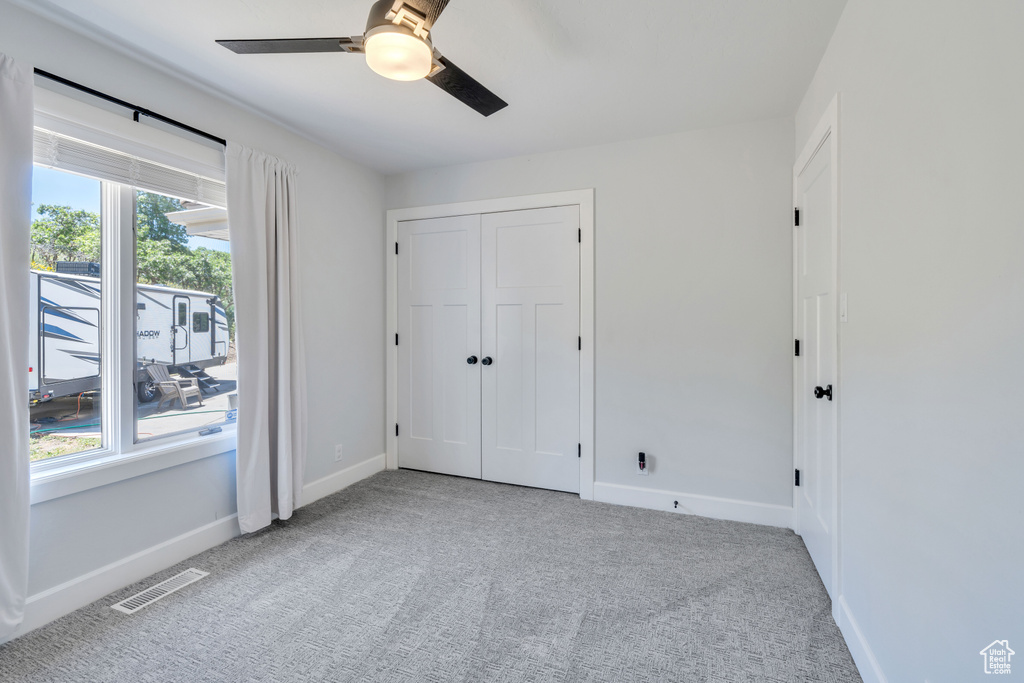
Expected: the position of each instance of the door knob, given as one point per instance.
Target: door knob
(471, 360)
(822, 393)
(487, 361)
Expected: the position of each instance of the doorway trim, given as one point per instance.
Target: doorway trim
(584, 199)
(826, 132)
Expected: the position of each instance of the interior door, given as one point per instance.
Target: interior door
(439, 345)
(530, 385)
(816, 365)
(179, 330)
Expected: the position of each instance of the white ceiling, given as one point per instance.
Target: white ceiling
(574, 72)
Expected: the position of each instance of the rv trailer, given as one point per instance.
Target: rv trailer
(184, 330)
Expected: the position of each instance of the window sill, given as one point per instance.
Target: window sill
(110, 469)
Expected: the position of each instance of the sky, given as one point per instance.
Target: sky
(50, 186)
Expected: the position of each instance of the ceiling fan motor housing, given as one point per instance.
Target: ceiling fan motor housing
(396, 17)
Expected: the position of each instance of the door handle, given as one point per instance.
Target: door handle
(471, 360)
(175, 331)
(822, 393)
(487, 361)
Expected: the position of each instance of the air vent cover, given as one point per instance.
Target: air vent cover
(161, 590)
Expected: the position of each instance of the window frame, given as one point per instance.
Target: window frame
(200, 322)
(121, 456)
(118, 343)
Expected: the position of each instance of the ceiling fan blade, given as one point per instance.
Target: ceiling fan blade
(431, 9)
(287, 45)
(466, 89)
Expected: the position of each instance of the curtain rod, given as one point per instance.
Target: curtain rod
(137, 111)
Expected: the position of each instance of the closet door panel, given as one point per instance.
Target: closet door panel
(530, 330)
(438, 330)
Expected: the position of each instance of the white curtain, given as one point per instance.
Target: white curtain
(271, 358)
(15, 210)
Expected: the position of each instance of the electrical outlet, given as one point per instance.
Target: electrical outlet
(643, 464)
(337, 453)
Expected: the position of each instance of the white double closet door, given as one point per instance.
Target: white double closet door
(488, 355)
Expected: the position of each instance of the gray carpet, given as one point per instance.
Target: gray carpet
(417, 577)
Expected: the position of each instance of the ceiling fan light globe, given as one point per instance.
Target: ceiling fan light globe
(398, 55)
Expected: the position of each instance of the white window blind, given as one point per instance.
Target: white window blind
(75, 156)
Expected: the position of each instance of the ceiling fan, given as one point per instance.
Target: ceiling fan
(397, 45)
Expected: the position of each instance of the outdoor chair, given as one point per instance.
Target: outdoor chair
(173, 388)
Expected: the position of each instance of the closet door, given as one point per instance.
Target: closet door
(438, 333)
(530, 307)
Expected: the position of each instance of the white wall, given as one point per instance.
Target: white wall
(694, 309)
(342, 243)
(932, 199)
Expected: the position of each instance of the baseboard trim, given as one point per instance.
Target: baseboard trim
(53, 603)
(692, 504)
(863, 657)
(333, 483)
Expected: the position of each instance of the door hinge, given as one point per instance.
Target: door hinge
(579, 343)
(396, 429)
(579, 450)
(796, 217)
(796, 478)
(396, 341)
(797, 345)
(579, 235)
(396, 247)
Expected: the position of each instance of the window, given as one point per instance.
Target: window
(131, 285)
(65, 383)
(186, 364)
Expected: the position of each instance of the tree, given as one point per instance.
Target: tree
(153, 224)
(64, 234)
